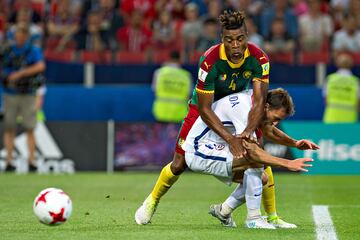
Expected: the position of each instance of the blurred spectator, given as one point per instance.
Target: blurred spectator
(4, 14)
(172, 86)
(348, 38)
(76, 7)
(111, 20)
(201, 6)
(342, 93)
(315, 28)
(175, 7)
(215, 8)
(191, 30)
(23, 65)
(339, 8)
(279, 40)
(280, 9)
(19, 4)
(253, 34)
(135, 36)
(210, 36)
(164, 31)
(299, 7)
(252, 8)
(92, 37)
(23, 18)
(63, 25)
(146, 7)
(354, 10)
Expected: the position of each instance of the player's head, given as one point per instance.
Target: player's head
(234, 35)
(279, 105)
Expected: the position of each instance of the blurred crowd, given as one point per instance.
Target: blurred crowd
(140, 31)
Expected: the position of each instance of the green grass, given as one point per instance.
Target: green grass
(182, 213)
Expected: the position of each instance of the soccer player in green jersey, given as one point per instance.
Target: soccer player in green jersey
(224, 69)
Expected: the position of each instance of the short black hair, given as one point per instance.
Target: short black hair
(232, 20)
(175, 55)
(279, 98)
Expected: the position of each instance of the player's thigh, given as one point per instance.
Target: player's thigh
(208, 164)
(28, 111)
(186, 125)
(11, 110)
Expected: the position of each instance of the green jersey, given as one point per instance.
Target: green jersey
(219, 76)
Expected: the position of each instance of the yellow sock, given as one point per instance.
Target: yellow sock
(268, 197)
(164, 182)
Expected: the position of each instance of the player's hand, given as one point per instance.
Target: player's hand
(15, 76)
(236, 147)
(304, 144)
(299, 164)
(245, 135)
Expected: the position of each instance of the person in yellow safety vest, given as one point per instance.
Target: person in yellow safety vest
(342, 93)
(39, 102)
(172, 86)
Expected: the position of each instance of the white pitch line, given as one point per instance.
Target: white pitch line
(325, 229)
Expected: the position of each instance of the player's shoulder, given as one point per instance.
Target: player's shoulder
(210, 57)
(257, 53)
(241, 99)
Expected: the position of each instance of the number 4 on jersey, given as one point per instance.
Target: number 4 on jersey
(232, 85)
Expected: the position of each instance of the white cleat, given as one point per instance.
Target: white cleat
(258, 223)
(226, 221)
(279, 223)
(145, 212)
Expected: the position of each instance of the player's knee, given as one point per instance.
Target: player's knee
(178, 164)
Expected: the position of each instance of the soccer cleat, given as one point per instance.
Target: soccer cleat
(226, 221)
(258, 223)
(279, 223)
(145, 212)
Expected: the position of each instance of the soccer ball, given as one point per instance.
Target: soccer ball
(52, 206)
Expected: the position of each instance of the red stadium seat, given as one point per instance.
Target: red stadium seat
(356, 58)
(67, 55)
(312, 58)
(103, 57)
(54, 42)
(131, 57)
(39, 7)
(286, 58)
(161, 56)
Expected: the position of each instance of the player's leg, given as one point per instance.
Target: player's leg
(166, 179)
(223, 211)
(28, 113)
(169, 174)
(269, 202)
(250, 192)
(10, 114)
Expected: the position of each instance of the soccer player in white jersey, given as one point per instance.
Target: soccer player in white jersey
(208, 153)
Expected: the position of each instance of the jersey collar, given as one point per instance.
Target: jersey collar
(231, 64)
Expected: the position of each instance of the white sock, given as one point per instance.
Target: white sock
(237, 197)
(253, 191)
(225, 209)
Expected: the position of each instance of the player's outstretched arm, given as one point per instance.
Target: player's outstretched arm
(257, 154)
(276, 135)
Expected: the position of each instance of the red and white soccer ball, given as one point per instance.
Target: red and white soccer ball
(52, 206)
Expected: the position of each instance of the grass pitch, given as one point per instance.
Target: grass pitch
(104, 207)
